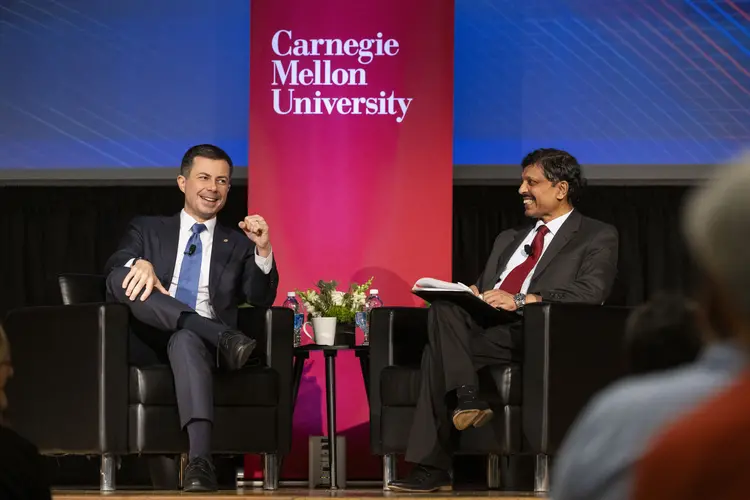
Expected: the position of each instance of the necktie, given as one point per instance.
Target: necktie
(190, 272)
(513, 282)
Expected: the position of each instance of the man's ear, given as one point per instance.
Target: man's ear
(562, 190)
(181, 182)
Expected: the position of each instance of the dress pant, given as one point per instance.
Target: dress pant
(457, 348)
(156, 338)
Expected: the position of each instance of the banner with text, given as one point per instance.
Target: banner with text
(350, 162)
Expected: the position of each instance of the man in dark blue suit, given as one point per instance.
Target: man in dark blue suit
(182, 278)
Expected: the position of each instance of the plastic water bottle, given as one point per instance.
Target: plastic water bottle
(371, 303)
(292, 303)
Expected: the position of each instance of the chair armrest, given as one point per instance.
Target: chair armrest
(70, 389)
(397, 338)
(273, 329)
(571, 351)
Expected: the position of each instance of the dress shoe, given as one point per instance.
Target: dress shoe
(199, 476)
(423, 479)
(234, 348)
(470, 410)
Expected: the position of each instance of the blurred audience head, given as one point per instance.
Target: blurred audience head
(665, 332)
(6, 370)
(716, 221)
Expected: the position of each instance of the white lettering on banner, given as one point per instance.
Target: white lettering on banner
(305, 68)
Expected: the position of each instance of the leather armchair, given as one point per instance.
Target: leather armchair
(571, 351)
(74, 392)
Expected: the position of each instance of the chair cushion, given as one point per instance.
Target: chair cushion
(251, 386)
(399, 386)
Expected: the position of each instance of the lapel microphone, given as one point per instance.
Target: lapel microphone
(526, 248)
(191, 250)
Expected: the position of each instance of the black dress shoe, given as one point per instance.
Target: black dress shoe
(470, 410)
(234, 348)
(199, 476)
(423, 479)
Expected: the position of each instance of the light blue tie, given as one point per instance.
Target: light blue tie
(190, 272)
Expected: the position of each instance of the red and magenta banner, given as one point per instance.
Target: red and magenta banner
(350, 162)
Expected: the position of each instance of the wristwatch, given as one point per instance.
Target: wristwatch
(520, 300)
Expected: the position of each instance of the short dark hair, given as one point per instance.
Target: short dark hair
(204, 151)
(558, 165)
(663, 333)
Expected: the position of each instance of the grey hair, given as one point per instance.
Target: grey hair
(716, 220)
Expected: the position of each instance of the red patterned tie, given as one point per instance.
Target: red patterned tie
(513, 282)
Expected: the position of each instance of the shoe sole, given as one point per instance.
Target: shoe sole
(466, 418)
(244, 355)
(411, 490)
(198, 489)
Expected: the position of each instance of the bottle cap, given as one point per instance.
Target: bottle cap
(291, 294)
(373, 291)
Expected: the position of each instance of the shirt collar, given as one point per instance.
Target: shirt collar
(187, 221)
(555, 224)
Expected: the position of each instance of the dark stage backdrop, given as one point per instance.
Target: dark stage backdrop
(45, 231)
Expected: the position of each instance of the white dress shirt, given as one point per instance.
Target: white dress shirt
(519, 256)
(203, 303)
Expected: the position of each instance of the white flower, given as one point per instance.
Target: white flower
(359, 300)
(338, 297)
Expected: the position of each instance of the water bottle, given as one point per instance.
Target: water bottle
(371, 303)
(292, 303)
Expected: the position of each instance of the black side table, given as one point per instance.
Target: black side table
(330, 352)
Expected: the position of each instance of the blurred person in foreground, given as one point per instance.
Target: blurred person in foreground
(706, 453)
(666, 332)
(663, 337)
(21, 466)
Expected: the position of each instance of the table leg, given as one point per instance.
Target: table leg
(331, 404)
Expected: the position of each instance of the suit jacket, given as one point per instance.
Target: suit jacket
(579, 265)
(234, 276)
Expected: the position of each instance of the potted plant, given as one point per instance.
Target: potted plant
(328, 302)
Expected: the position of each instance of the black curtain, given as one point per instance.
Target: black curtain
(45, 231)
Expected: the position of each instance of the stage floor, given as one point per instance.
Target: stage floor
(284, 494)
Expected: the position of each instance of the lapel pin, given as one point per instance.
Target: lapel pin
(226, 240)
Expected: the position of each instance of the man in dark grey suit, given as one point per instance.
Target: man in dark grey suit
(559, 256)
(183, 278)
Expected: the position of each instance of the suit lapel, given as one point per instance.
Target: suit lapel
(568, 229)
(502, 262)
(169, 246)
(220, 253)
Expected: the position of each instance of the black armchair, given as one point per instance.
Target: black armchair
(74, 392)
(571, 352)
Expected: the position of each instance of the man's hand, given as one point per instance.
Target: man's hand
(256, 228)
(500, 299)
(142, 277)
(474, 290)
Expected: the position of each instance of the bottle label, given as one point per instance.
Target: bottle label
(298, 320)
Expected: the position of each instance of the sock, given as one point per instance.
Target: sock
(207, 329)
(199, 432)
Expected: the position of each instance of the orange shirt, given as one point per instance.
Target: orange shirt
(703, 456)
